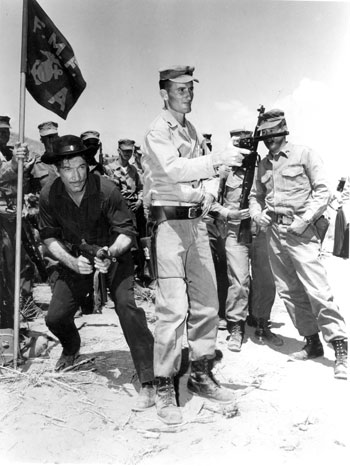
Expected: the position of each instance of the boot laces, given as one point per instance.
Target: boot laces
(236, 330)
(202, 368)
(340, 351)
(207, 371)
(166, 390)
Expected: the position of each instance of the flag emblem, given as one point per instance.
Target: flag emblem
(53, 77)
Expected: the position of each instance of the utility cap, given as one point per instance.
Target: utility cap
(271, 119)
(48, 127)
(177, 74)
(90, 135)
(126, 144)
(5, 122)
(240, 133)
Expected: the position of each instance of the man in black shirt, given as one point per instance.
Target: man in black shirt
(79, 207)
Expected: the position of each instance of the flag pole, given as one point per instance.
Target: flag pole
(20, 182)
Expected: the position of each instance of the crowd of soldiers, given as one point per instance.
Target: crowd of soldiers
(124, 169)
(169, 216)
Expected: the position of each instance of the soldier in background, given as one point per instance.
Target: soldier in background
(91, 140)
(217, 247)
(8, 199)
(243, 261)
(5, 150)
(42, 172)
(127, 178)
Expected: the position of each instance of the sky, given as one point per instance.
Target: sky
(292, 55)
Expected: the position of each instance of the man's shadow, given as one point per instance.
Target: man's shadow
(116, 366)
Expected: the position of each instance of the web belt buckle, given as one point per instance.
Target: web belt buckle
(192, 212)
(284, 220)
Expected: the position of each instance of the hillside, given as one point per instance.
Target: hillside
(34, 145)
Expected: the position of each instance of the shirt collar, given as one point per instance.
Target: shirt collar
(170, 119)
(282, 153)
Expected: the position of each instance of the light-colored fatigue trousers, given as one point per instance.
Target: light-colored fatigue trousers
(302, 284)
(261, 287)
(186, 295)
(238, 276)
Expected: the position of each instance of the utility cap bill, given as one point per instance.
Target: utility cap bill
(177, 74)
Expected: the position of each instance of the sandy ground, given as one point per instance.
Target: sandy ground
(290, 413)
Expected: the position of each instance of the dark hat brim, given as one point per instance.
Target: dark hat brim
(51, 158)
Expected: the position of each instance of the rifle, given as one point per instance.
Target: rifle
(100, 155)
(250, 163)
(90, 251)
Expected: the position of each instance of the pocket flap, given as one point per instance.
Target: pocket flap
(292, 172)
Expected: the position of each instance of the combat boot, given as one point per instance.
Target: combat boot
(203, 383)
(312, 349)
(263, 333)
(146, 397)
(235, 339)
(166, 405)
(341, 358)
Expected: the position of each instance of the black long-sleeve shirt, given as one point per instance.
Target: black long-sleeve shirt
(101, 216)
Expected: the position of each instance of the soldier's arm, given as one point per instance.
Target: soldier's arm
(79, 264)
(160, 150)
(321, 194)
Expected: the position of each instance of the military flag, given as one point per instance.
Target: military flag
(53, 76)
(50, 72)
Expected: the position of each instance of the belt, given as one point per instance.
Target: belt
(162, 213)
(162, 203)
(280, 219)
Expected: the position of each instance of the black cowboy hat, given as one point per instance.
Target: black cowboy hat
(66, 147)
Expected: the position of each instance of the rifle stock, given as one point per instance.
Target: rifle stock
(244, 233)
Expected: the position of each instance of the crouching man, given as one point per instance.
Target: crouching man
(80, 207)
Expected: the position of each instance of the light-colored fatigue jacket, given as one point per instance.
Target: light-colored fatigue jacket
(127, 179)
(173, 165)
(291, 183)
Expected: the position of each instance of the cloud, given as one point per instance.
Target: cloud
(317, 117)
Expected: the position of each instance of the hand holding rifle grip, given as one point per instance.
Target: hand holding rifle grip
(244, 234)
